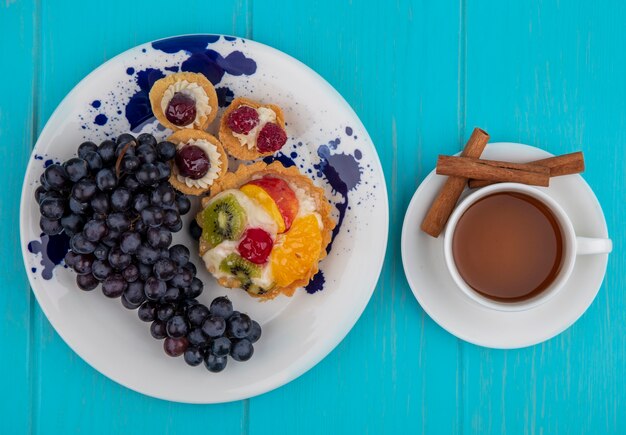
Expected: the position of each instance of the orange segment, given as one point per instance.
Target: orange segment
(296, 251)
(265, 201)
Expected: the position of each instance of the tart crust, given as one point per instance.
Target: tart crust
(160, 86)
(243, 174)
(232, 144)
(187, 135)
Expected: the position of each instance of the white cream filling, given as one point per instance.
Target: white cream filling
(193, 90)
(256, 217)
(265, 115)
(215, 164)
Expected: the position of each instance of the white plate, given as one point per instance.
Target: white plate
(437, 293)
(323, 130)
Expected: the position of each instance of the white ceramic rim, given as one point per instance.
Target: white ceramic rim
(569, 247)
(303, 365)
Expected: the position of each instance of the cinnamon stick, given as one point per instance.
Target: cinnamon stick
(567, 164)
(441, 208)
(493, 170)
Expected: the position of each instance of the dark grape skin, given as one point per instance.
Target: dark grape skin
(86, 147)
(179, 254)
(221, 346)
(146, 153)
(106, 150)
(193, 356)
(120, 199)
(80, 245)
(239, 325)
(118, 259)
(154, 288)
(50, 227)
(101, 252)
(141, 201)
(76, 169)
(56, 177)
(147, 254)
(242, 350)
(165, 312)
(127, 304)
(83, 264)
(175, 346)
(113, 286)
(214, 363)
(147, 311)
(195, 230)
(177, 327)
(101, 270)
(195, 288)
(164, 269)
(145, 270)
(166, 151)
(52, 208)
(222, 307)
(152, 216)
(130, 242)
(148, 174)
(172, 294)
(182, 279)
(214, 326)
(157, 330)
(72, 224)
(255, 332)
(124, 138)
(118, 222)
(131, 273)
(94, 161)
(100, 203)
(106, 179)
(197, 314)
(134, 292)
(163, 171)
(159, 237)
(197, 338)
(84, 190)
(183, 204)
(40, 194)
(146, 138)
(94, 230)
(77, 207)
(70, 258)
(86, 282)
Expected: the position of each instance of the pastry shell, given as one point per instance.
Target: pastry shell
(187, 135)
(232, 144)
(160, 86)
(234, 180)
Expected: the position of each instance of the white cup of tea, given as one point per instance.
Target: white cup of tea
(505, 260)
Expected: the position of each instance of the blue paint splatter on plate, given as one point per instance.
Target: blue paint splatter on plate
(100, 119)
(52, 250)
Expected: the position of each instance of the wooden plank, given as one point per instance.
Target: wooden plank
(18, 22)
(397, 65)
(72, 397)
(551, 74)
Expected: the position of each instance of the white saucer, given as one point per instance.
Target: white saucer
(444, 302)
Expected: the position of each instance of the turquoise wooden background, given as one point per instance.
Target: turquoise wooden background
(420, 74)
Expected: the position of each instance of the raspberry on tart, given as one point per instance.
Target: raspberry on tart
(250, 130)
(200, 161)
(184, 100)
(265, 229)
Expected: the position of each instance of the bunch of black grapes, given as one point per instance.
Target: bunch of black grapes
(115, 203)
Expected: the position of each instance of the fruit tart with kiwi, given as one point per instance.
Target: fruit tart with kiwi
(199, 162)
(184, 100)
(250, 130)
(265, 229)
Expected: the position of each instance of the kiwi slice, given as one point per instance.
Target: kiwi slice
(223, 219)
(244, 271)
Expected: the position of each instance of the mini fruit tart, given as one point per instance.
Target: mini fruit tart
(265, 229)
(183, 101)
(250, 130)
(200, 161)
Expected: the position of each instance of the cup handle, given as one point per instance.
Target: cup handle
(589, 246)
